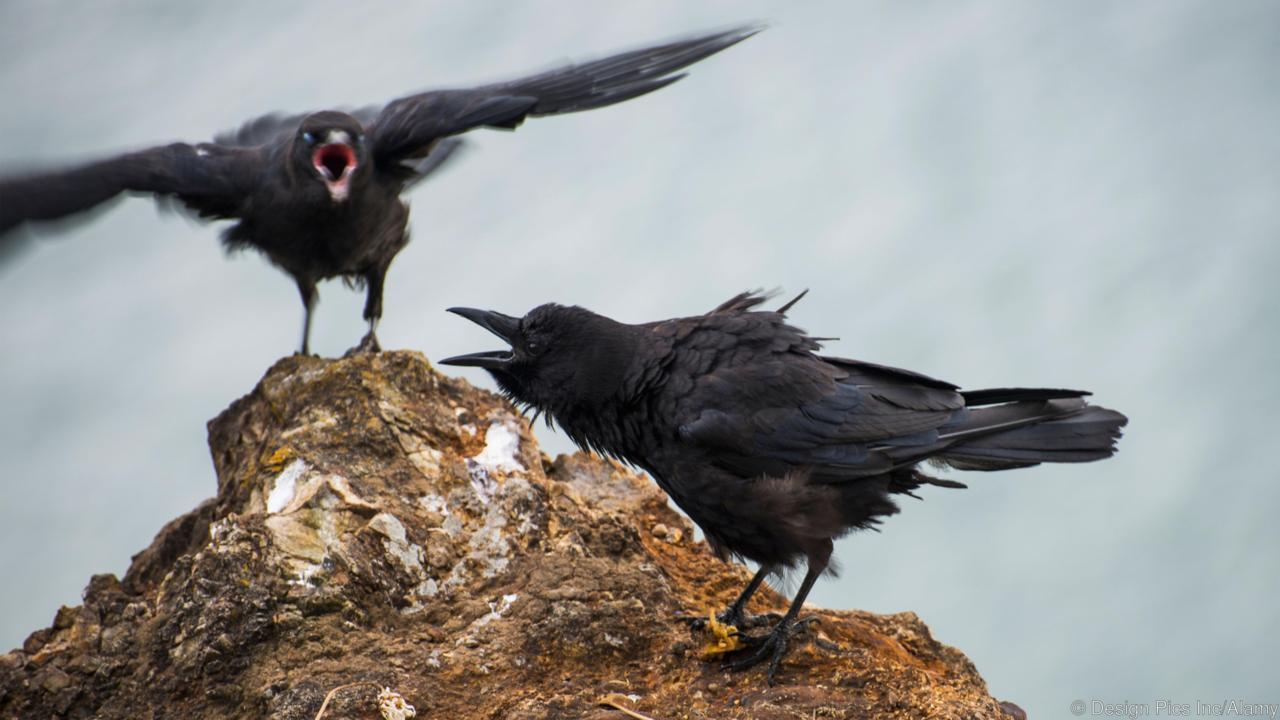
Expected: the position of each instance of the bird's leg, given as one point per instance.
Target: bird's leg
(774, 646)
(735, 614)
(372, 312)
(307, 288)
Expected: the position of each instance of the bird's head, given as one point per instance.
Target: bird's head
(331, 145)
(561, 359)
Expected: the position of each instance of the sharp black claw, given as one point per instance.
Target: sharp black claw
(762, 619)
(771, 647)
(746, 642)
(695, 622)
(368, 344)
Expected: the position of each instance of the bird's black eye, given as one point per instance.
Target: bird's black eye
(309, 138)
(530, 339)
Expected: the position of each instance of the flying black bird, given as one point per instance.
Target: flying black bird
(772, 449)
(319, 194)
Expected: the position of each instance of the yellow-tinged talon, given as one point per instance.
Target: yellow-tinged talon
(724, 638)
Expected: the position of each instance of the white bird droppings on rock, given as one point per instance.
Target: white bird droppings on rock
(501, 449)
(285, 485)
(500, 454)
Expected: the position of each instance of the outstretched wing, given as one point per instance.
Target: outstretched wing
(407, 127)
(211, 179)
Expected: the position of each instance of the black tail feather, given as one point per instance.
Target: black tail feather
(991, 396)
(1008, 428)
(1028, 432)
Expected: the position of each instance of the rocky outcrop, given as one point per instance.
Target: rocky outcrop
(382, 529)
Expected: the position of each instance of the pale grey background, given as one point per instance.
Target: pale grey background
(1081, 194)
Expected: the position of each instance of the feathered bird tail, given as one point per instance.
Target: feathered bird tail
(1012, 428)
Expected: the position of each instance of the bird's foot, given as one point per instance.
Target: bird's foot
(771, 647)
(368, 344)
(723, 631)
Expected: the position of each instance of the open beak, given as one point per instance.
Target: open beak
(336, 163)
(504, 326)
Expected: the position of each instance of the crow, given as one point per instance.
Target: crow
(771, 448)
(319, 194)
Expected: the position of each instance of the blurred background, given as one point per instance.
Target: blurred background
(1001, 193)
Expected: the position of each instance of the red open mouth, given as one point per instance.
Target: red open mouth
(335, 162)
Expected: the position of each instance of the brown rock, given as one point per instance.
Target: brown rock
(378, 525)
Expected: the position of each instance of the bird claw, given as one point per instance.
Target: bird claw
(368, 344)
(771, 647)
(801, 625)
(695, 622)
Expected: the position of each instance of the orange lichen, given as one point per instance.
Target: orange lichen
(279, 459)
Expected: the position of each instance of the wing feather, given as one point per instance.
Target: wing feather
(212, 179)
(789, 409)
(408, 125)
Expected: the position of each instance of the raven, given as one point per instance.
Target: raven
(771, 448)
(319, 194)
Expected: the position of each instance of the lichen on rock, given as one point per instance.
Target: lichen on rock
(378, 525)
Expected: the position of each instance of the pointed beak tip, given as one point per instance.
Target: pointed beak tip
(504, 326)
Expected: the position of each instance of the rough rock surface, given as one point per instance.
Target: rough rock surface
(381, 524)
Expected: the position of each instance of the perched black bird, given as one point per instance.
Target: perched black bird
(319, 194)
(772, 449)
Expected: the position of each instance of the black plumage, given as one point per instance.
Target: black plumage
(771, 448)
(319, 194)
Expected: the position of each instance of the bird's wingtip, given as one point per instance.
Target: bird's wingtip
(737, 34)
(749, 28)
(721, 39)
